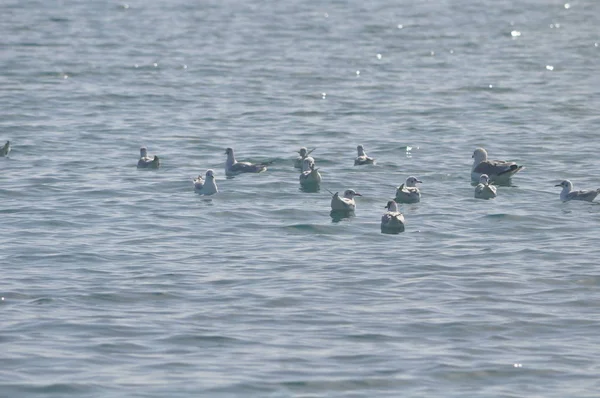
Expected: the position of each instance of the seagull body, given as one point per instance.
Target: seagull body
(484, 190)
(310, 175)
(568, 193)
(362, 157)
(147, 162)
(345, 203)
(408, 192)
(233, 167)
(498, 171)
(303, 155)
(5, 150)
(392, 221)
(208, 186)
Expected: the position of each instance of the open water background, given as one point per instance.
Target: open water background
(121, 282)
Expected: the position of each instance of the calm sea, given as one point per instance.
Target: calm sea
(118, 282)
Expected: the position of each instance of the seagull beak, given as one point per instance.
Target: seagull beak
(357, 194)
(419, 181)
(558, 185)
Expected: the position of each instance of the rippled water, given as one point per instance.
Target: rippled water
(123, 282)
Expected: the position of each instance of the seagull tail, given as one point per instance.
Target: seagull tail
(512, 170)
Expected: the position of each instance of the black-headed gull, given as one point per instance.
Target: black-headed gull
(498, 171)
(147, 162)
(345, 203)
(207, 186)
(408, 192)
(310, 175)
(567, 192)
(303, 154)
(362, 157)
(484, 190)
(233, 167)
(392, 221)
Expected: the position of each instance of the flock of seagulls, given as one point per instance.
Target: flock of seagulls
(484, 172)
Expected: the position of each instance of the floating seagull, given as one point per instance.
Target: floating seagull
(392, 222)
(568, 193)
(310, 175)
(484, 190)
(346, 203)
(233, 167)
(5, 150)
(147, 162)
(303, 154)
(498, 171)
(208, 186)
(408, 192)
(362, 157)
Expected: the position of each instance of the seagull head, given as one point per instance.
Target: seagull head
(412, 181)
(210, 174)
(392, 206)
(484, 179)
(565, 184)
(480, 155)
(361, 150)
(351, 193)
(303, 151)
(143, 152)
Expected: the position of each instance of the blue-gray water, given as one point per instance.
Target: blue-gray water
(120, 282)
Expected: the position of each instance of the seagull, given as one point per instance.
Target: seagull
(303, 154)
(392, 221)
(408, 192)
(208, 186)
(568, 193)
(484, 190)
(362, 157)
(498, 171)
(346, 203)
(5, 150)
(147, 162)
(310, 176)
(233, 167)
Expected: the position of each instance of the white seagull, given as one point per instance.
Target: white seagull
(233, 167)
(208, 186)
(310, 175)
(392, 221)
(498, 171)
(408, 192)
(568, 193)
(346, 203)
(5, 150)
(362, 157)
(303, 154)
(147, 162)
(484, 190)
